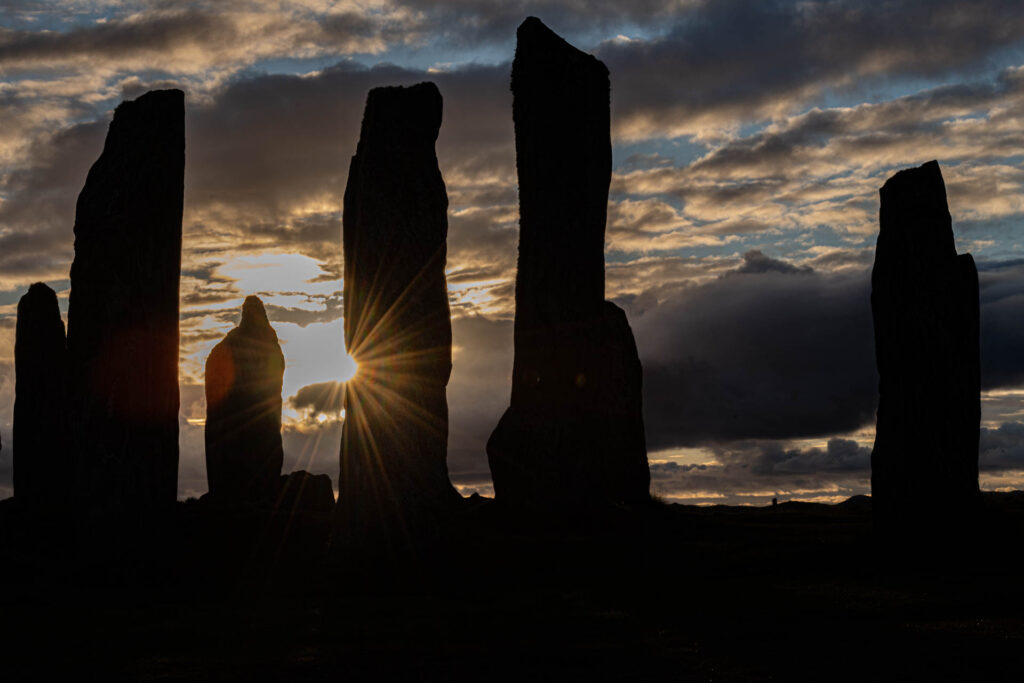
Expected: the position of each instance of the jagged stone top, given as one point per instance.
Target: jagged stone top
(255, 322)
(914, 216)
(401, 116)
(538, 47)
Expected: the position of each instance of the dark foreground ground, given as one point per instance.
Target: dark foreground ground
(798, 592)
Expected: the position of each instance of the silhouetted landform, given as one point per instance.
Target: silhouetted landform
(574, 431)
(924, 297)
(123, 312)
(394, 473)
(302, 491)
(244, 376)
(42, 464)
(662, 592)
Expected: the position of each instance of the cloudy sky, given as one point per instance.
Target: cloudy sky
(750, 140)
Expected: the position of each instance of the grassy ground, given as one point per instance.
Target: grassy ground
(797, 592)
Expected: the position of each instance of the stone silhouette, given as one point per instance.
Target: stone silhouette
(924, 298)
(301, 491)
(123, 312)
(574, 432)
(394, 473)
(244, 376)
(42, 463)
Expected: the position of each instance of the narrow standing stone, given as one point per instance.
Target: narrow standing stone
(244, 376)
(42, 463)
(394, 474)
(123, 312)
(924, 298)
(574, 431)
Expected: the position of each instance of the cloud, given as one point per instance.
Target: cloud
(770, 350)
(322, 397)
(201, 36)
(731, 61)
(767, 350)
(755, 471)
(1002, 449)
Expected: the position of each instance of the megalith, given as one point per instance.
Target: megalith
(574, 432)
(244, 377)
(42, 463)
(394, 473)
(924, 299)
(123, 311)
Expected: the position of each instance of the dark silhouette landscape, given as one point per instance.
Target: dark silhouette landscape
(572, 571)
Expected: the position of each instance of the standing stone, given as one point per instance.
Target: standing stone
(924, 298)
(574, 432)
(394, 473)
(123, 312)
(244, 376)
(42, 462)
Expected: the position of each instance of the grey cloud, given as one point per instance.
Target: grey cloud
(738, 58)
(1002, 335)
(148, 35)
(779, 352)
(322, 397)
(332, 310)
(472, 22)
(755, 471)
(772, 353)
(755, 261)
(772, 458)
(38, 210)
(200, 36)
(269, 143)
(1002, 449)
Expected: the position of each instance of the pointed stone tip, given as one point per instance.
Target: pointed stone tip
(532, 26)
(538, 47)
(534, 33)
(254, 313)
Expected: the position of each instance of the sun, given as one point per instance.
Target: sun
(348, 368)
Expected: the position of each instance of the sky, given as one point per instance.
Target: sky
(749, 142)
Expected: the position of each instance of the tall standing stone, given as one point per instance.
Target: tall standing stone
(244, 377)
(123, 312)
(42, 463)
(394, 473)
(924, 298)
(574, 431)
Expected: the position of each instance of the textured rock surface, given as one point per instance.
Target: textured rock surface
(394, 470)
(924, 298)
(123, 315)
(42, 461)
(574, 431)
(301, 491)
(244, 376)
